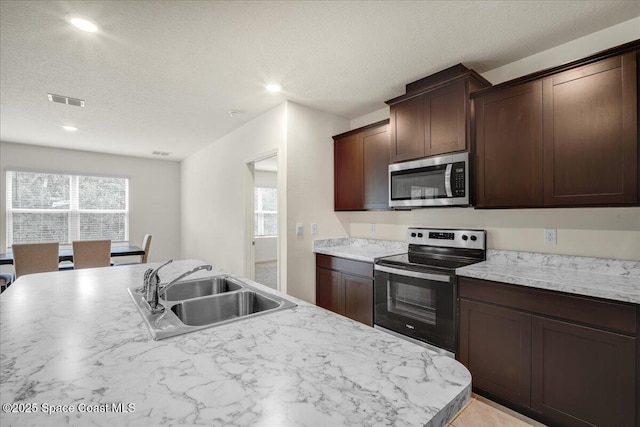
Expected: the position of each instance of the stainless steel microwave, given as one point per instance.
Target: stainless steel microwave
(433, 181)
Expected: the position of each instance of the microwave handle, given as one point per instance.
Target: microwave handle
(447, 180)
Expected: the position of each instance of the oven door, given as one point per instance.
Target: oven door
(420, 305)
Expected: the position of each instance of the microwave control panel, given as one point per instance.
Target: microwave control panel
(458, 179)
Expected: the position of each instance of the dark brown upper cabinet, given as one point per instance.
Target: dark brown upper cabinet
(509, 147)
(591, 134)
(433, 116)
(567, 136)
(361, 163)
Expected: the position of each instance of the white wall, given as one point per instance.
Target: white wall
(154, 189)
(214, 186)
(599, 232)
(266, 249)
(309, 192)
(567, 52)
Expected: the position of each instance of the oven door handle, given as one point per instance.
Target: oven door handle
(416, 274)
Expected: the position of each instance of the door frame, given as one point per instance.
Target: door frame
(249, 241)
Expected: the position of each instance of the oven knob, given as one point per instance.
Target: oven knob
(474, 238)
(464, 237)
(420, 235)
(413, 234)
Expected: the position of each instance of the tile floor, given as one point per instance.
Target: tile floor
(481, 412)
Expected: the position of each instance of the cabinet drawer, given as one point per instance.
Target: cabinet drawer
(358, 268)
(605, 314)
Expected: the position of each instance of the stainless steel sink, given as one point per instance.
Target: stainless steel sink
(206, 302)
(204, 311)
(201, 287)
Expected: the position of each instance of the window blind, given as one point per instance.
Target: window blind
(44, 207)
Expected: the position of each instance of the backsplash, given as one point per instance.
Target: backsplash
(589, 232)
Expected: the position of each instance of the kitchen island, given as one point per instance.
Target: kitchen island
(74, 341)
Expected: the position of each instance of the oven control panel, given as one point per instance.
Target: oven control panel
(471, 239)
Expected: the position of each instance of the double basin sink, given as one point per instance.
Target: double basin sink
(205, 302)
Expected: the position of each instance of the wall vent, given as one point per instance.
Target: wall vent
(160, 153)
(65, 100)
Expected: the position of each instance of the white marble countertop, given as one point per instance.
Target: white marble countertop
(367, 250)
(75, 338)
(611, 279)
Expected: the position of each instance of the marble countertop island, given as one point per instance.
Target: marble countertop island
(73, 343)
(612, 279)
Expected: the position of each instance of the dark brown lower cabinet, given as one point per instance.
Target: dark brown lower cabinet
(358, 299)
(497, 349)
(345, 287)
(329, 290)
(582, 376)
(562, 359)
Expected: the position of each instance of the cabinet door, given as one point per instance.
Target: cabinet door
(495, 345)
(329, 290)
(358, 299)
(585, 372)
(348, 179)
(508, 131)
(375, 146)
(407, 129)
(590, 134)
(445, 123)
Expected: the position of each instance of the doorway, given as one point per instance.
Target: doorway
(265, 221)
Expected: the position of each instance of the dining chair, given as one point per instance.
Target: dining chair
(29, 258)
(146, 244)
(5, 281)
(91, 253)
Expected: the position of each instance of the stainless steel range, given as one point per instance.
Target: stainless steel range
(415, 293)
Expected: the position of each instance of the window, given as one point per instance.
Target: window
(45, 207)
(266, 211)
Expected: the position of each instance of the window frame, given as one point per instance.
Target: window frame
(259, 214)
(74, 212)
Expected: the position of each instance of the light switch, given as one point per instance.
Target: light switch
(299, 229)
(314, 228)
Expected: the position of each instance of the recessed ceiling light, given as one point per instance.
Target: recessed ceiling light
(273, 88)
(83, 23)
(69, 128)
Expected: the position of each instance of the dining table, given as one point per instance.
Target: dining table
(66, 254)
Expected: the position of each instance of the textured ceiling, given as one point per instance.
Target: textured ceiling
(163, 75)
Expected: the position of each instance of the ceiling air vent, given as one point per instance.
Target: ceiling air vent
(65, 100)
(160, 153)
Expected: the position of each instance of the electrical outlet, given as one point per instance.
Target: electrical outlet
(372, 228)
(299, 229)
(550, 237)
(314, 228)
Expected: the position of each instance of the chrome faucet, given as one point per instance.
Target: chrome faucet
(154, 288)
(149, 288)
